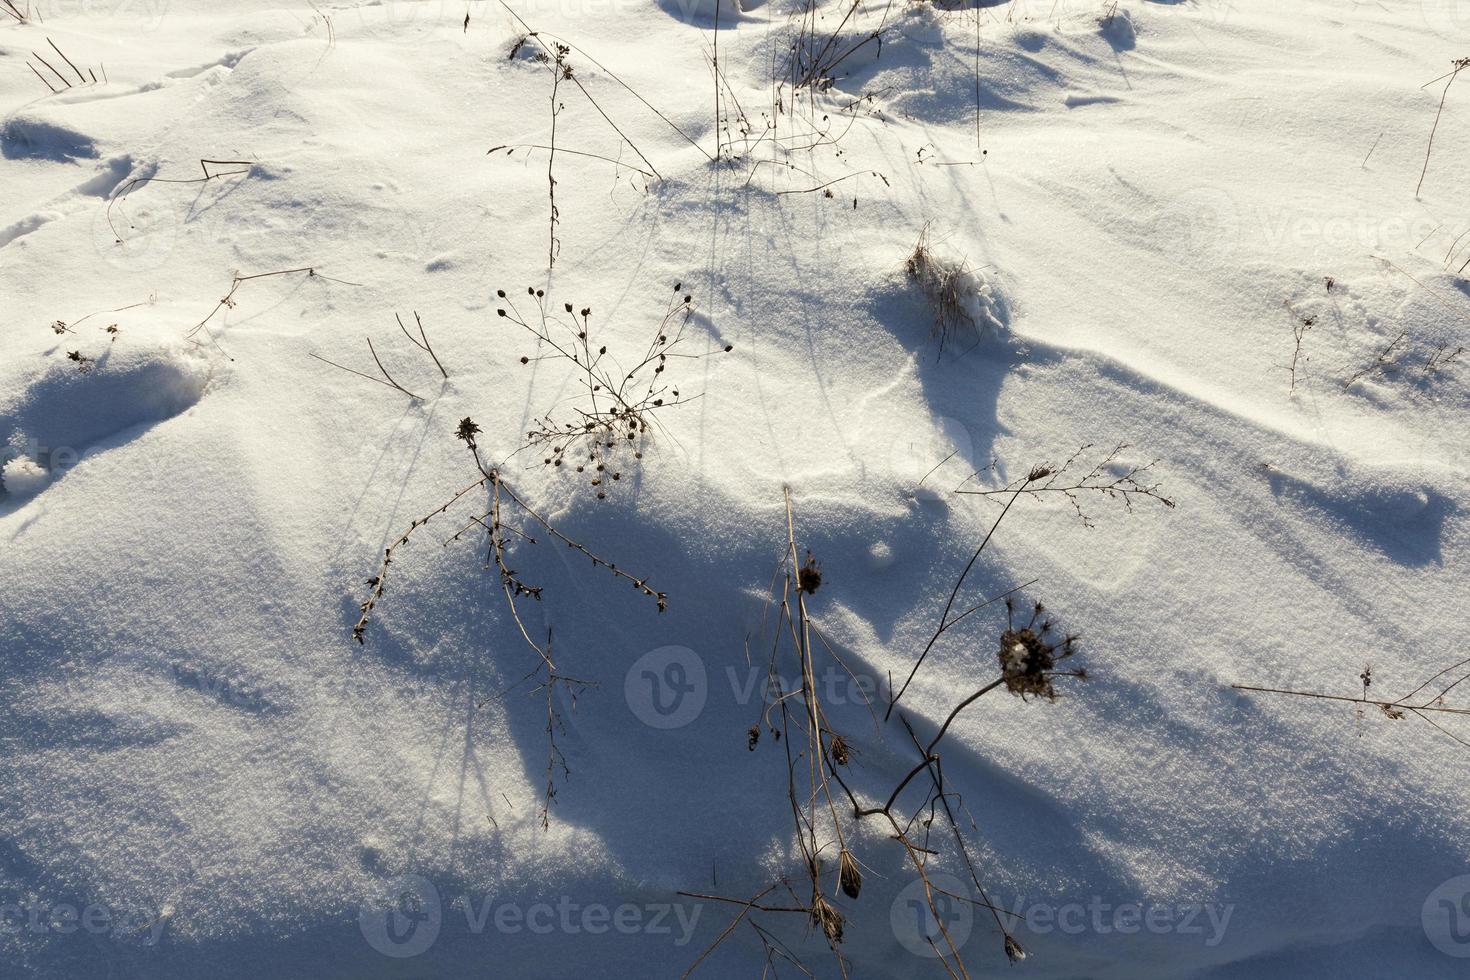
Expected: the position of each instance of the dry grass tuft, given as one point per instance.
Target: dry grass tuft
(961, 301)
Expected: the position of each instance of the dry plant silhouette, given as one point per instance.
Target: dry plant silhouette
(824, 807)
(227, 302)
(616, 407)
(1300, 324)
(1107, 476)
(242, 168)
(559, 55)
(421, 342)
(60, 327)
(1456, 66)
(1423, 702)
(955, 293)
(90, 78)
(508, 520)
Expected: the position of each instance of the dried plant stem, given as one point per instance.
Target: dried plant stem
(1127, 487)
(510, 147)
(815, 754)
(1351, 700)
(386, 380)
(32, 67)
(1433, 294)
(537, 37)
(422, 343)
(1459, 66)
(559, 69)
(128, 187)
(944, 620)
(53, 70)
(1383, 360)
(1418, 704)
(80, 77)
(228, 300)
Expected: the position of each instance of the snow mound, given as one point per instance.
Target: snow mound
(23, 477)
(78, 407)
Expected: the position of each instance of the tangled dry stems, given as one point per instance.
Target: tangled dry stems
(616, 408)
(817, 755)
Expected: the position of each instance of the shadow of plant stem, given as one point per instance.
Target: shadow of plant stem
(499, 531)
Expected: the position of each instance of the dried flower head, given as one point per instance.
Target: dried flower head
(1028, 656)
(809, 576)
(467, 430)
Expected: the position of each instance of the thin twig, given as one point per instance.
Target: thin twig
(1459, 66)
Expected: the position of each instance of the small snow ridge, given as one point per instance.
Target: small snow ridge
(1076, 100)
(23, 477)
(66, 414)
(702, 12)
(31, 137)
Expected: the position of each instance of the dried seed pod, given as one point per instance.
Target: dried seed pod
(848, 875)
(828, 918)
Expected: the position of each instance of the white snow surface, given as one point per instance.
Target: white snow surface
(1157, 195)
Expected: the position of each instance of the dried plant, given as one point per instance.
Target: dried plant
(1301, 323)
(1028, 656)
(556, 53)
(816, 756)
(958, 298)
(1456, 66)
(227, 302)
(242, 168)
(421, 342)
(1441, 356)
(616, 408)
(1126, 483)
(1423, 702)
(1385, 361)
(60, 327)
(817, 56)
(560, 71)
(10, 9)
(506, 521)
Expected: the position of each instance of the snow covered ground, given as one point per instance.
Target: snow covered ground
(1191, 228)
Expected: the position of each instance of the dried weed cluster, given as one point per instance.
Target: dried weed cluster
(963, 303)
(616, 407)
